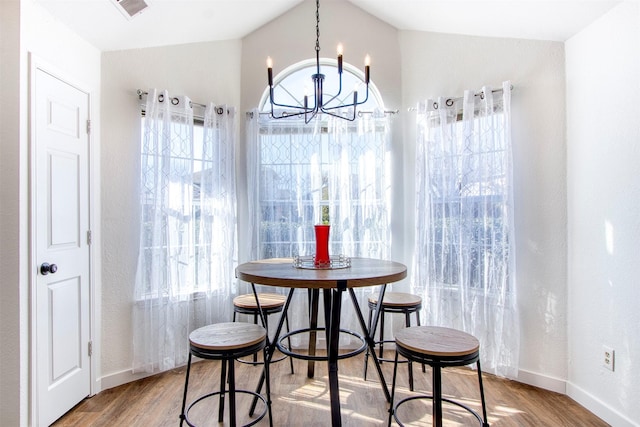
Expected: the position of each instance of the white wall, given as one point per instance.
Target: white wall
(445, 65)
(27, 29)
(205, 72)
(603, 160)
(13, 405)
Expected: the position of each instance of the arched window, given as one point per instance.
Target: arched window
(327, 171)
(292, 83)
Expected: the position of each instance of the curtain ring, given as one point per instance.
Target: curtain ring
(161, 97)
(449, 102)
(435, 105)
(220, 110)
(175, 101)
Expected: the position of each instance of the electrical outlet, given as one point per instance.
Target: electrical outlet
(609, 357)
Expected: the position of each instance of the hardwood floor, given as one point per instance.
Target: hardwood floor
(300, 401)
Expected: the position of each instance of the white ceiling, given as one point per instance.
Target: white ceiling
(103, 25)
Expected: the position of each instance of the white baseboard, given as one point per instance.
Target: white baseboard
(118, 378)
(598, 407)
(543, 381)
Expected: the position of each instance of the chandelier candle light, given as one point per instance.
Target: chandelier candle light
(331, 106)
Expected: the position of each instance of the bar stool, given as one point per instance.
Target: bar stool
(271, 304)
(226, 342)
(393, 302)
(440, 348)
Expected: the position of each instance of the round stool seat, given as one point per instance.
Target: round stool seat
(227, 337)
(437, 341)
(397, 300)
(267, 301)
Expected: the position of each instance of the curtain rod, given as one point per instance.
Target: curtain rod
(360, 113)
(451, 101)
(175, 101)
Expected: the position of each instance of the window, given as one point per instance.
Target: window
(328, 171)
(469, 235)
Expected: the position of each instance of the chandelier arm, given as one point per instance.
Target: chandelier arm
(366, 98)
(340, 116)
(339, 91)
(319, 105)
(274, 103)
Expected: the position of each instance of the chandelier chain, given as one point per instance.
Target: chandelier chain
(317, 25)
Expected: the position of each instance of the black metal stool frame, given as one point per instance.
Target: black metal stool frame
(265, 322)
(437, 363)
(227, 357)
(407, 311)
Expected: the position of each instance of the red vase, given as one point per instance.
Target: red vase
(322, 246)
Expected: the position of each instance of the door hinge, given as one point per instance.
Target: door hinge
(88, 237)
(88, 126)
(90, 348)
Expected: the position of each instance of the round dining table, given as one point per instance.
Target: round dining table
(343, 276)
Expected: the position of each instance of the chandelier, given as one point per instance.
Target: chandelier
(334, 104)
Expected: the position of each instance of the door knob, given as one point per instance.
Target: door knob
(47, 268)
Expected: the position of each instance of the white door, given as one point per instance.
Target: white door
(60, 225)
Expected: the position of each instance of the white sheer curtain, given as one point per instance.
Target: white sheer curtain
(300, 175)
(464, 259)
(187, 252)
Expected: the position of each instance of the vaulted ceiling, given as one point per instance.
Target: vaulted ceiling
(168, 22)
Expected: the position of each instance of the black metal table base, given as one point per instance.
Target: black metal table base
(332, 313)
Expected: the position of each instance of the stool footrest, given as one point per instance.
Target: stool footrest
(185, 416)
(289, 352)
(430, 397)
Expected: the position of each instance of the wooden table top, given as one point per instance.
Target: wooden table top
(281, 272)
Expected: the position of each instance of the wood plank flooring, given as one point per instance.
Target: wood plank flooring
(300, 401)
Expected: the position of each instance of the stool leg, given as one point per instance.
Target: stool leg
(255, 322)
(232, 394)
(286, 321)
(437, 395)
(223, 379)
(407, 323)
(186, 386)
(418, 323)
(393, 388)
(484, 407)
(370, 332)
(381, 348)
(268, 386)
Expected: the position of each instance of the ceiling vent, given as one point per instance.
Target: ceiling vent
(130, 8)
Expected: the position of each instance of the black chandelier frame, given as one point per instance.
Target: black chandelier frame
(319, 104)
